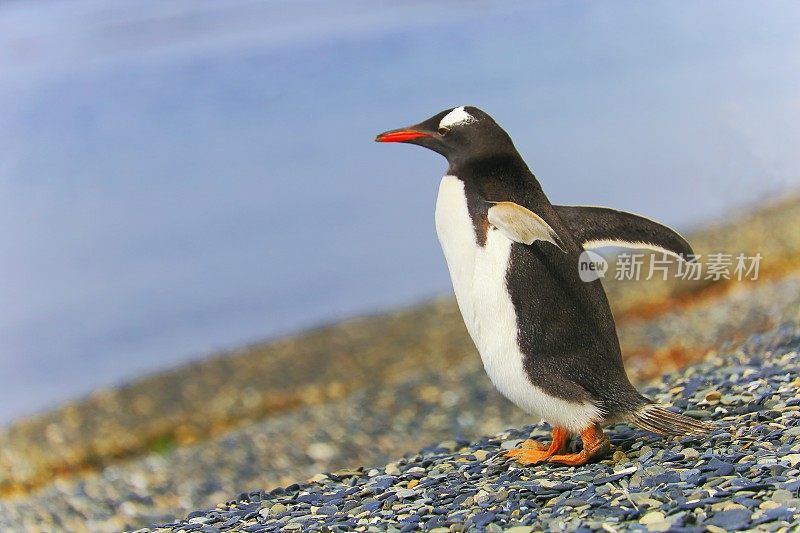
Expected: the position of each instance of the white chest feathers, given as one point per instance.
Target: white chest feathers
(478, 274)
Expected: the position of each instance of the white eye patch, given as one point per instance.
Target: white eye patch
(456, 117)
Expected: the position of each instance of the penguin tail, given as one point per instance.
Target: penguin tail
(658, 419)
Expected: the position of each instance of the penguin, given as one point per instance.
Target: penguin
(547, 339)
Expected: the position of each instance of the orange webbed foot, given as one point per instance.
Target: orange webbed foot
(595, 446)
(532, 452)
(533, 444)
(525, 456)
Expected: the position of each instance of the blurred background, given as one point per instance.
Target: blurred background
(179, 178)
(192, 211)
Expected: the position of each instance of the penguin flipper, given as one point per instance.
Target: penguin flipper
(595, 227)
(521, 225)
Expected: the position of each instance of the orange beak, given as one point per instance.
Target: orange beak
(398, 136)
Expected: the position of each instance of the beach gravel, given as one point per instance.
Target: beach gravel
(376, 425)
(744, 475)
(354, 397)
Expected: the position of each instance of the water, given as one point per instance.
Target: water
(184, 177)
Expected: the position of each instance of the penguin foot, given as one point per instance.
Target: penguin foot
(533, 444)
(532, 452)
(595, 446)
(529, 457)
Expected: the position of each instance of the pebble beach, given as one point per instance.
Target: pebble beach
(743, 476)
(390, 423)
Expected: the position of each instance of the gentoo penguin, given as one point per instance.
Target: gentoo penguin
(547, 339)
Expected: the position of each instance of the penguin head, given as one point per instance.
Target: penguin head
(459, 134)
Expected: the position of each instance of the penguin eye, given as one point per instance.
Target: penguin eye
(443, 130)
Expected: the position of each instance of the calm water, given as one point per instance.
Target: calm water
(183, 177)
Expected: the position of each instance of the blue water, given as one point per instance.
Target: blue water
(179, 178)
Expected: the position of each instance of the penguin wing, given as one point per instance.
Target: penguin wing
(521, 225)
(595, 227)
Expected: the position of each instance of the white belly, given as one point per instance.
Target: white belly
(479, 281)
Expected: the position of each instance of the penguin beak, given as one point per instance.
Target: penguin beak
(399, 136)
